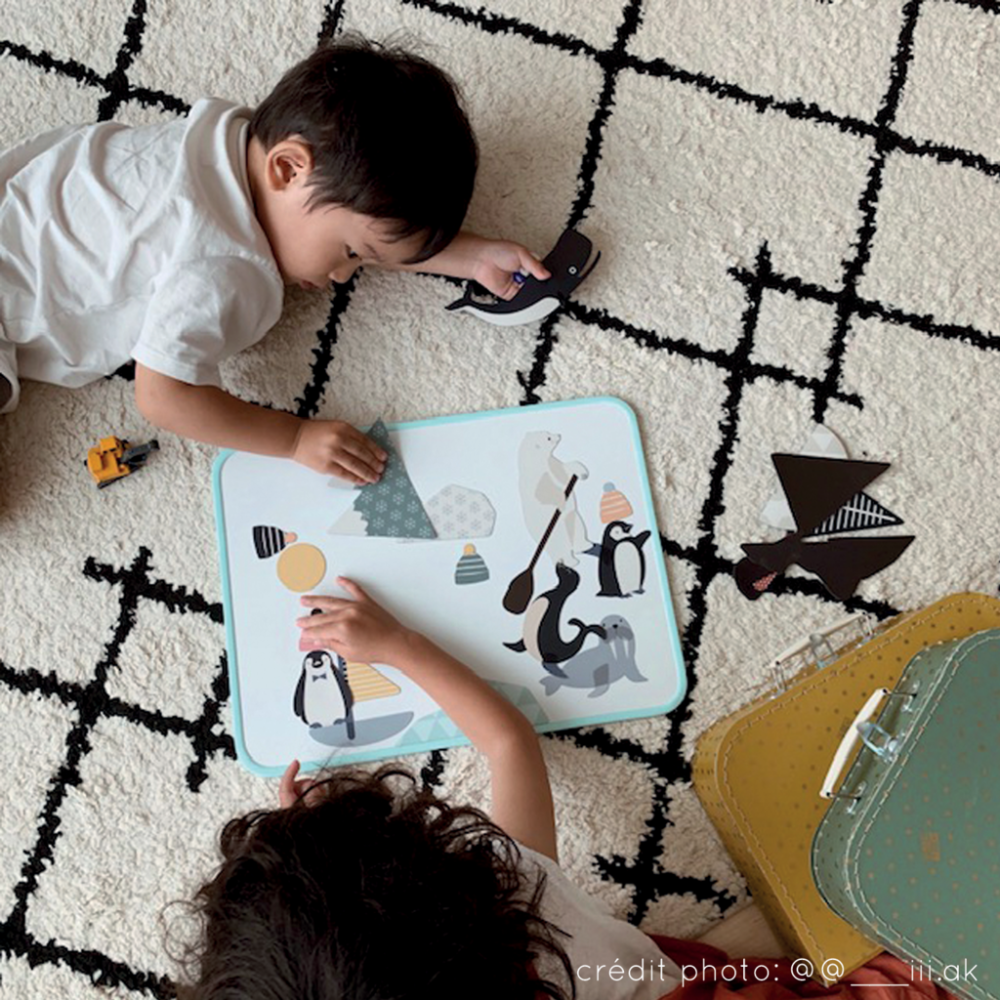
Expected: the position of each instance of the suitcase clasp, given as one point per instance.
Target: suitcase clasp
(864, 727)
(870, 732)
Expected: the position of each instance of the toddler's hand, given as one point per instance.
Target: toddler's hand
(338, 449)
(361, 631)
(290, 790)
(497, 261)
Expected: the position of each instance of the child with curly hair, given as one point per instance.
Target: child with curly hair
(366, 885)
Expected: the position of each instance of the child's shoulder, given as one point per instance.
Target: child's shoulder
(207, 113)
(596, 935)
(14, 159)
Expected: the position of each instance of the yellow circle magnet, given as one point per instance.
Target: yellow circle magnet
(301, 567)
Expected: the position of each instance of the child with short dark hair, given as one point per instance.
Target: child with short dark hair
(364, 886)
(171, 243)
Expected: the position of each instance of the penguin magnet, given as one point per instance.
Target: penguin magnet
(567, 263)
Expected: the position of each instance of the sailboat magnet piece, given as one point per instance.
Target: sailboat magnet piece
(861, 512)
(567, 265)
(817, 488)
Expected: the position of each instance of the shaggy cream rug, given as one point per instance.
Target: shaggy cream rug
(798, 206)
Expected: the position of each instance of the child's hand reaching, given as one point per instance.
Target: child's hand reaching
(338, 449)
(360, 630)
(496, 263)
(492, 263)
(290, 790)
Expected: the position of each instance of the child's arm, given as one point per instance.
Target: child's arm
(208, 414)
(493, 263)
(361, 630)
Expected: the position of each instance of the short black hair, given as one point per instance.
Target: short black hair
(370, 888)
(388, 134)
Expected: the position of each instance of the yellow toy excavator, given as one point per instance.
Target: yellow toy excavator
(114, 458)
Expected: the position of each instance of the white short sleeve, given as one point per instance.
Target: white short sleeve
(204, 312)
(611, 959)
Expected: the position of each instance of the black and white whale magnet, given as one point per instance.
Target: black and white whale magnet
(567, 265)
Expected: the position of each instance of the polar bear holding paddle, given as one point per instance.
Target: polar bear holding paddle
(542, 482)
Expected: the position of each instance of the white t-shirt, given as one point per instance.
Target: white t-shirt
(600, 945)
(120, 242)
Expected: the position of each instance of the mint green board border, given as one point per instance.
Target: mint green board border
(382, 753)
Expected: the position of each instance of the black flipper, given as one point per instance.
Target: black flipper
(842, 563)
(340, 672)
(299, 701)
(569, 649)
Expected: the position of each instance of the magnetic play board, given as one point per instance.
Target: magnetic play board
(445, 541)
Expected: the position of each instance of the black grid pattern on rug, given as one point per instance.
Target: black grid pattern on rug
(644, 876)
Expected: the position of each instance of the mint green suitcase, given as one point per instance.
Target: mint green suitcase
(908, 850)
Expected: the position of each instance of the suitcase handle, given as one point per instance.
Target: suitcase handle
(855, 731)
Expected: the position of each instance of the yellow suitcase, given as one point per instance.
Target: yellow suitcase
(758, 773)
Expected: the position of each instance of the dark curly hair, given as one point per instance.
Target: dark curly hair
(372, 889)
(388, 135)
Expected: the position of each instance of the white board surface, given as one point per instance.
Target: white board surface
(416, 581)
